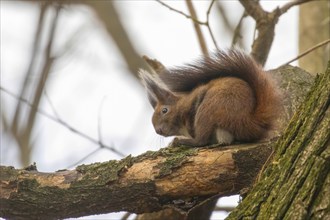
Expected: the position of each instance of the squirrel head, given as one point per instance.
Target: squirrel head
(165, 118)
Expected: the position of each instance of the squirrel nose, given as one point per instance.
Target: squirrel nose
(159, 131)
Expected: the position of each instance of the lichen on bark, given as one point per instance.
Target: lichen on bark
(102, 173)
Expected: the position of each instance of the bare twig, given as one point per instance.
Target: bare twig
(180, 12)
(18, 129)
(307, 51)
(195, 20)
(209, 10)
(198, 30)
(224, 15)
(51, 104)
(24, 136)
(99, 118)
(208, 23)
(4, 121)
(49, 60)
(290, 4)
(237, 31)
(36, 44)
(212, 36)
(84, 158)
(60, 121)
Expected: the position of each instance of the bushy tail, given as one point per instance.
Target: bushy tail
(232, 63)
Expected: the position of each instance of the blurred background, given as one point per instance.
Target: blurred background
(69, 87)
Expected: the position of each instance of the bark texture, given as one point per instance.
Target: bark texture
(173, 177)
(295, 185)
(314, 27)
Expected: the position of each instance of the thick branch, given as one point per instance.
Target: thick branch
(172, 177)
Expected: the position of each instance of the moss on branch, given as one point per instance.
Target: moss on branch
(147, 183)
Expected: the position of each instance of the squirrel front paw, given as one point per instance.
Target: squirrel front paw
(179, 141)
(175, 142)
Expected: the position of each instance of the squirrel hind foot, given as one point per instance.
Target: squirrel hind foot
(224, 137)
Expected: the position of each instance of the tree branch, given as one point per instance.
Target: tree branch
(147, 183)
(63, 123)
(265, 24)
(290, 4)
(196, 21)
(198, 30)
(108, 14)
(180, 12)
(237, 32)
(323, 43)
(207, 23)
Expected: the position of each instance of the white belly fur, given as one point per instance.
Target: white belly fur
(223, 136)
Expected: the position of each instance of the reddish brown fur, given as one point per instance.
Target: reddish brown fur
(229, 91)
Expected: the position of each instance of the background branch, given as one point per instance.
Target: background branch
(193, 17)
(180, 12)
(308, 51)
(237, 36)
(265, 25)
(290, 4)
(207, 23)
(63, 123)
(118, 33)
(23, 135)
(197, 28)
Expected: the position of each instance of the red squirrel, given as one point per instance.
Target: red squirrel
(219, 99)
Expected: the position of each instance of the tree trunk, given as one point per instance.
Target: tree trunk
(314, 27)
(295, 185)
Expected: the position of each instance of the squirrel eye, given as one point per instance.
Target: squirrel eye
(164, 110)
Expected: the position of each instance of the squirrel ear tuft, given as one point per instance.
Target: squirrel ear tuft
(157, 92)
(147, 81)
